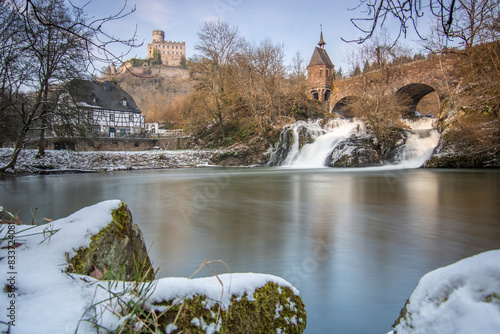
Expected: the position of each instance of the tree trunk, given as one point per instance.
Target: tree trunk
(17, 149)
(42, 143)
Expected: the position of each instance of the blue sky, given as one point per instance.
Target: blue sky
(295, 23)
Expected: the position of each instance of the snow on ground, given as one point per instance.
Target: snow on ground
(107, 161)
(462, 298)
(44, 299)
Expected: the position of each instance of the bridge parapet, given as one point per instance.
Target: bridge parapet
(415, 79)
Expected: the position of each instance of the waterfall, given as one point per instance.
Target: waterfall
(420, 144)
(319, 143)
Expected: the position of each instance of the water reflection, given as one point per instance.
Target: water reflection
(355, 242)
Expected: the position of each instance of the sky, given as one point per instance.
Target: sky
(295, 23)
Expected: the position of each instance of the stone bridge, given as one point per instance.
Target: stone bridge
(414, 79)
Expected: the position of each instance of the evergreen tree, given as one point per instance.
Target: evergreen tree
(183, 62)
(338, 73)
(156, 57)
(357, 70)
(366, 66)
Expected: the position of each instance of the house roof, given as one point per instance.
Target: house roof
(320, 57)
(102, 95)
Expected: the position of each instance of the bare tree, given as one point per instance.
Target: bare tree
(376, 13)
(298, 68)
(54, 43)
(218, 42)
(475, 22)
(380, 111)
(219, 45)
(262, 76)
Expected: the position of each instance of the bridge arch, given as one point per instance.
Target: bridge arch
(342, 105)
(414, 92)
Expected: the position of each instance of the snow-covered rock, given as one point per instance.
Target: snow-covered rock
(354, 152)
(42, 295)
(118, 247)
(462, 298)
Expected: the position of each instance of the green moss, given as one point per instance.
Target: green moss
(271, 307)
(493, 298)
(403, 314)
(122, 219)
(117, 248)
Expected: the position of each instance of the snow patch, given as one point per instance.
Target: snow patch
(48, 300)
(461, 298)
(27, 161)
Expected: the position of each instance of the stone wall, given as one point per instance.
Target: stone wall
(319, 76)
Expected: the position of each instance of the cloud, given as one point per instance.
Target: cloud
(159, 13)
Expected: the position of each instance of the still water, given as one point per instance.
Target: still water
(354, 241)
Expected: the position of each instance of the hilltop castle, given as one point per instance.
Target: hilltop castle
(320, 74)
(170, 52)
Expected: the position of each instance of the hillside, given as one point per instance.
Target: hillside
(154, 88)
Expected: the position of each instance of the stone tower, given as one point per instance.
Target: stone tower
(320, 74)
(158, 36)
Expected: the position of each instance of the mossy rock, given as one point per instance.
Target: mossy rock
(271, 309)
(118, 248)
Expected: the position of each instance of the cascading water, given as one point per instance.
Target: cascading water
(313, 144)
(420, 144)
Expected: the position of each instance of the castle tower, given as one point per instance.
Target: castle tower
(320, 74)
(158, 36)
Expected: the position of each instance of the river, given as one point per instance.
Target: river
(355, 242)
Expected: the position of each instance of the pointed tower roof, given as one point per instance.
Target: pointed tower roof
(320, 57)
(321, 40)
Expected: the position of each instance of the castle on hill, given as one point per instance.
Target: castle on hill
(170, 52)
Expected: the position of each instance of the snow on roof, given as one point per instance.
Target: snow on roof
(102, 95)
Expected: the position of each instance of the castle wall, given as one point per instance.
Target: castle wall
(170, 52)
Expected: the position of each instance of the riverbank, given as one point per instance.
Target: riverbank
(60, 161)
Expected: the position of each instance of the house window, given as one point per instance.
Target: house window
(111, 117)
(124, 102)
(131, 118)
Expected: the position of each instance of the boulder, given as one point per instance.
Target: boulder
(461, 298)
(103, 247)
(119, 247)
(354, 152)
(263, 304)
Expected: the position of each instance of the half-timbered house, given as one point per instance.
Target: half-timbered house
(110, 111)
